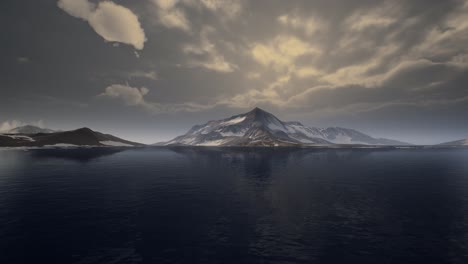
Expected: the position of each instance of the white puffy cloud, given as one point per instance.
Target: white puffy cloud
(129, 95)
(117, 23)
(111, 21)
(77, 8)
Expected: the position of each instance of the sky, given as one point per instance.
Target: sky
(148, 70)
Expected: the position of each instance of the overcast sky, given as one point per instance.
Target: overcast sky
(148, 70)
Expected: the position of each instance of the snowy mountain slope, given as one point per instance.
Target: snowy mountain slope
(78, 137)
(463, 142)
(339, 135)
(255, 128)
(260, 128)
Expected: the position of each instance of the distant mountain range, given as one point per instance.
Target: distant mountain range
(30, 136)
(260, 128)
(463, 142)
(254, 128)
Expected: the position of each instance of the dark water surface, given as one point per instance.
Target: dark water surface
(233, 206)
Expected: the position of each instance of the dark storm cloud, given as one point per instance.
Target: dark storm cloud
(147, 69)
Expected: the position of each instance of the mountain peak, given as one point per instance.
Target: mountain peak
(257, 110)
(84, 129)
(257, 113)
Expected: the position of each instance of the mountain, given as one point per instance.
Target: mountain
(340, 135)
(463, 142)
(260, 128)
(28, 129)
(78, 137)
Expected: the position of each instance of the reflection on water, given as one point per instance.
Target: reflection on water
(74, 154)
(233, 205)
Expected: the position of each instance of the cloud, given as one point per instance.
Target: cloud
(415, 83)
(447, 39)
(362, 56)
(460, 60)
(129, 95)
(173, 13)
(361, 73)
(77, 8)
(172, 16)
(307, 71)
(253, 75)
(226, 8)
(112, 22)
(132, 96)
(206, 55)
(383, 16)
(420, 83)
(11, 124)
(393, 52)
(152, 75)
(374, 20)
(117, 23)
(166, 4)
(309, 25)
(281, 52)
(215, 63)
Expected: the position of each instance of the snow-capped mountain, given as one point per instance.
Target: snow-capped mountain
(260, 128)
(28, 129)
(463, 142)
(78, 137)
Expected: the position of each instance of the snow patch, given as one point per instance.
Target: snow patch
(307, 131)
(305, 140)
(218, 142)
(232, 134)
(20, 137)
(343, 139)
(239, 133)
(188, 141)
(275, 127)
(233, 121)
